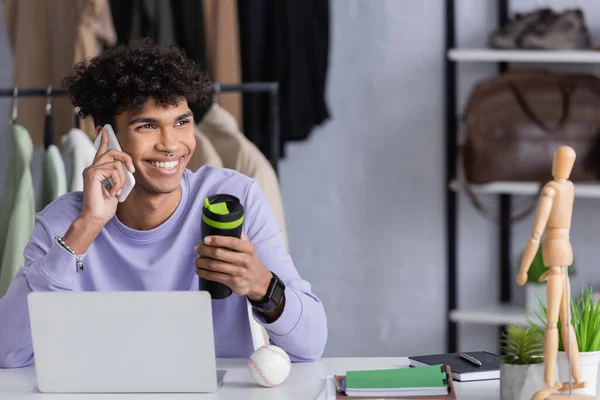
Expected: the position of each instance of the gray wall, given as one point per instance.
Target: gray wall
(364, 196)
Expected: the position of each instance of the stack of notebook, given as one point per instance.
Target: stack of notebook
(427, 383)
(469, 366)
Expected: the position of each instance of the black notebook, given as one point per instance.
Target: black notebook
(463, 370)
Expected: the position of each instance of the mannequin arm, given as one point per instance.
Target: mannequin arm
(541, 218)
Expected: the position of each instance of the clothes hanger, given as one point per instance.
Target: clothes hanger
(77, 120)
(15, 105)
(215, 94)
(49, 125)
(216, 85)
(49, 100)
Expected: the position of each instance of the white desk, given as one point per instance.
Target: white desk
(304, 383)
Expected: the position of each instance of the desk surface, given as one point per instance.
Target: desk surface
(305, 382)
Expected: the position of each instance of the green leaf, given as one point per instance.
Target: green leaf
(585, 318)
(523, 346)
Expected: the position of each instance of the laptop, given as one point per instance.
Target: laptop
(124, 342)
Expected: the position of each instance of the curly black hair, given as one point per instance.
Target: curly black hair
(124, 77)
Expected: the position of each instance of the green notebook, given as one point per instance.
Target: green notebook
(422, 381)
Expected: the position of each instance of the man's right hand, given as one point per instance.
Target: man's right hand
(100, 204)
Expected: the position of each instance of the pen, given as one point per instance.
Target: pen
(470, 359)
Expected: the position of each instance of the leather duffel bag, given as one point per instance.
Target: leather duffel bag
(515, 121)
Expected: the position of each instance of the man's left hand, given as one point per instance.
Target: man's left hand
(234, 263)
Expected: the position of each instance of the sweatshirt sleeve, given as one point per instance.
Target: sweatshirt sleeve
(301, 329)
(47, 267)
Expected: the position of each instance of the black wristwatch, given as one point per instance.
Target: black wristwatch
(273, 297)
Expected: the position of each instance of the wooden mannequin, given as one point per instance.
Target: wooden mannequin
(553, 216)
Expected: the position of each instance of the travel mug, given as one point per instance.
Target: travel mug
(222, 215)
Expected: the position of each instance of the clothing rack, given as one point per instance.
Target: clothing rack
(270, 88)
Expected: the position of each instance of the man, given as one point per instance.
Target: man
(90, 241)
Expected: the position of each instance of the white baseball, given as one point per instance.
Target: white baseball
(269, 366)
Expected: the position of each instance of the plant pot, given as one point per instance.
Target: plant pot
(588, 367)
(520, 382)
(534, 293)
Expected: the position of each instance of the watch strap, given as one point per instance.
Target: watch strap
(273, 297)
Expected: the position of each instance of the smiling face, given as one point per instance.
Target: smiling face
(160, 140)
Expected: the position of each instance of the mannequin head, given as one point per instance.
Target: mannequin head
(562, 164)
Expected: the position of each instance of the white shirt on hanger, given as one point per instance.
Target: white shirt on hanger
(80, 150)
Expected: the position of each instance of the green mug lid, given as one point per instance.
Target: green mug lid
(219, 208)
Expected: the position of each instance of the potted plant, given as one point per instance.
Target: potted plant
(534, 289)
(585, 318)
(521, 363)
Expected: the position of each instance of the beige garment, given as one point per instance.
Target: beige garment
(47, 39)
(223, 51)
(205, 153)
(240, 154)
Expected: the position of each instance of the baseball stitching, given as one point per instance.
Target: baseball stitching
(272, 350)
(260, 371)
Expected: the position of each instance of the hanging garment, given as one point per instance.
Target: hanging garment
(260, 63)
(134, 19)
(238, 153)
(54, 180)
(178, 23)
(48, 131)
(54, 34)
(17, 211)
(205, 153)
(122, 16)
(153, 19)
(285, 41)
(223, 51)
(188, 22)
(80, 151)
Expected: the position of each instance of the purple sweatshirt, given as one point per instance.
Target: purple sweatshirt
(123, 259)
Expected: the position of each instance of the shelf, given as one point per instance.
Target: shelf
(531, 56)
(582, 190)
(493, 315)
